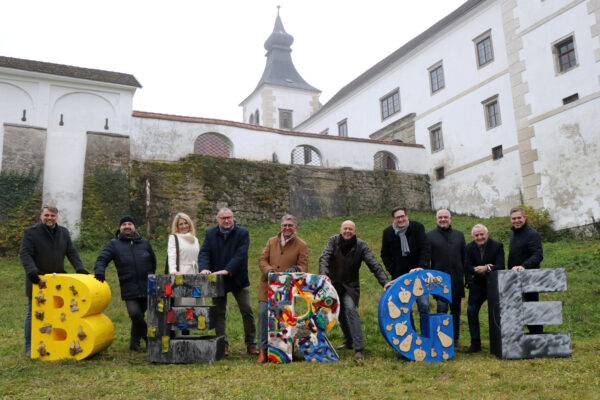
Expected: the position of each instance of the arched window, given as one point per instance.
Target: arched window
(213, 144)
(385, 160)
(306, 155)
(256, 118)
(251, 122)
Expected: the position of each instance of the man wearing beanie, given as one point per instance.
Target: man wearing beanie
(339, 264)
(135, 260)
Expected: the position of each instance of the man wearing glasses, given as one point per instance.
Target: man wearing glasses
(225, 252)
(285, 252)
(404, 248)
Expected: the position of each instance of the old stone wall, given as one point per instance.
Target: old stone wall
(200, 185)
(24, 149)
(108, 150)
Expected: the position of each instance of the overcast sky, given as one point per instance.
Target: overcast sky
(202, 58)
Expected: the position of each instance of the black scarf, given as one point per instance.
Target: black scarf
(347, 245)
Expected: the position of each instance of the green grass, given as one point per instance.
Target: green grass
(117, 373)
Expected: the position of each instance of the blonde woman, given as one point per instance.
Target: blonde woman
(183, 247)
(182, 256)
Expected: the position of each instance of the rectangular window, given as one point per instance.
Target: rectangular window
(491, 110)
(571, 98)
(439, 173)
(436, 77)
(390, 104)
(497, 153)
(565, 53)
(437, 142)
(484, 48)
(285, 119)
(343, 128)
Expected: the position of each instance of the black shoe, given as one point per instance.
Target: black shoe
(474, 348)
(344, 346)
(135, 345)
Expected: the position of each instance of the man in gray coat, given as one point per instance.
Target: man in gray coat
(339, 264)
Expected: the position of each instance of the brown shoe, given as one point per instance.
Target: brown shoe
(262, 356)
(252, 350)
(359, 355)
(226, 352)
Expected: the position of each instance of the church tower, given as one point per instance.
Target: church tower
(282, 99)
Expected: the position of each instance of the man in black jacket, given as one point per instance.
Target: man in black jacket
(447, 255)
(525, 252)
(404, 248)
(43, 250)
(339, 264)
(135, 260)
(482, 256)
(225, 252)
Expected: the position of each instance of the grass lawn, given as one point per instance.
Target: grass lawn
(117, 373)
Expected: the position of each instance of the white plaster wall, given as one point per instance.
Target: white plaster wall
(568, 145)
(250, 106)
(155, 139)
(531, 12)
(464, 130)
(547, 87)
(14, 98)
(488, 190)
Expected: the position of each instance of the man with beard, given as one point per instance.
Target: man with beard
(43, 250)
(135, 260)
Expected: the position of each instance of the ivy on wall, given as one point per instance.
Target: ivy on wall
(105, 200)
(19, 207)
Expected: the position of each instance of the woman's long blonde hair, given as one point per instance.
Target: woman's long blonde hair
(186, 217)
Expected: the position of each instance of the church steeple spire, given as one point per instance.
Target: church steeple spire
(280, 69)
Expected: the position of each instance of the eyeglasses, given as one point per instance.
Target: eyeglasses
(400, 216)
(230, 217)
(287, 225)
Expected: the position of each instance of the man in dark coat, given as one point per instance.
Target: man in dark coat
(225, 252)
(405, 248)
(340, 263)
(447, 255)
(135, 260)
(43, 250)
(482, 256)
(525, 252)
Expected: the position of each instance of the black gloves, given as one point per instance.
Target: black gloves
(33, 277)
(82, 272)
(99, 277)
(293, 268)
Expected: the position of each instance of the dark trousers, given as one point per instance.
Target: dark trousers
(535, 329)
(442, 308)
(136, 308)
(477, 296)
(242, 297)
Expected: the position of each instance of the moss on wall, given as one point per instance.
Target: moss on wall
(20, 205)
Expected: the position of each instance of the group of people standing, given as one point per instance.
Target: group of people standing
(405, 247)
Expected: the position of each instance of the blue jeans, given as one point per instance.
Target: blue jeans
(27, 329)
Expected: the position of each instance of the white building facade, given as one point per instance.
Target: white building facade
(503, 94)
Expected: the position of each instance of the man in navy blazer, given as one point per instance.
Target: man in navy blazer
(225, 252)
(482, 256)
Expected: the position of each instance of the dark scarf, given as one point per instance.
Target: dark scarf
(347, 245)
